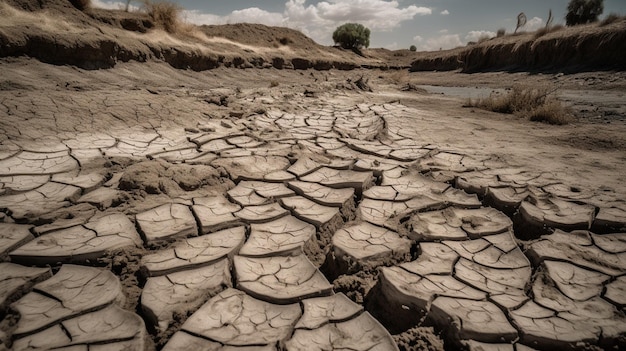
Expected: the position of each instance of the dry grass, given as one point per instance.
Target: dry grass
(81, 4)
(551, 112)
(611, 18)
(399, 77)
(545, 30)
(483, 38)
(541, 32)
(165, 15)
(536, 104)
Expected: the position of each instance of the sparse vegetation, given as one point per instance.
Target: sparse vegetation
(352, 36)
(399, 77)
(583, 11)
(501, 32)
(541, 32)
(413, 48)
(550, 19)
(285, 41)
(545, 30)
(165, 15)
(536, 104)
(521, 21)
(483, 38)
(551, 112)
(611, 18)
(556, 27)
(81, 4)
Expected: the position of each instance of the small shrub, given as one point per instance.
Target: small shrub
(583, 11)
(501, 32)
(274, 84)
(352, 36)
(81, 4)
(536, 104)
(519, 98)
(413, 48)
(165, 15)
(611, 18)
(551, 112)
(285, 41)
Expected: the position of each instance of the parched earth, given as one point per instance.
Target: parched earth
(227, 211)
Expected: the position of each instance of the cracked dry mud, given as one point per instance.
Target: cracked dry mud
(326, 228)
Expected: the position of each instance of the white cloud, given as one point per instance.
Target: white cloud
(110, 5)
(444, 12)
(443, 31)
(113, 5)
(533, 24)
(476, 35)
(256, 15)
(418, 39)
(376, 14)
(392, 46)
(197, 17)
(249, 15)
(447, 41)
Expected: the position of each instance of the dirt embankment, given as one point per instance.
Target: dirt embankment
(55, 32)
(577, 48)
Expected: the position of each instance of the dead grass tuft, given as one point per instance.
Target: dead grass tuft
(541, 32)
(483, 38)
(545, 30)
(611, 18)
(551, 112)
(536, 104)
(165, 15)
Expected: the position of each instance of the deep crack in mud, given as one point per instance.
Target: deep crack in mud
(329, 227)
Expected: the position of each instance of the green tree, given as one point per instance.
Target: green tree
(413, 48)
(352, 36)
(583, 11)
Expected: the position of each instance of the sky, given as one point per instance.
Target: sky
(428, 24)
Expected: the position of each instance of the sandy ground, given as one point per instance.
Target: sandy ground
(152, 143)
